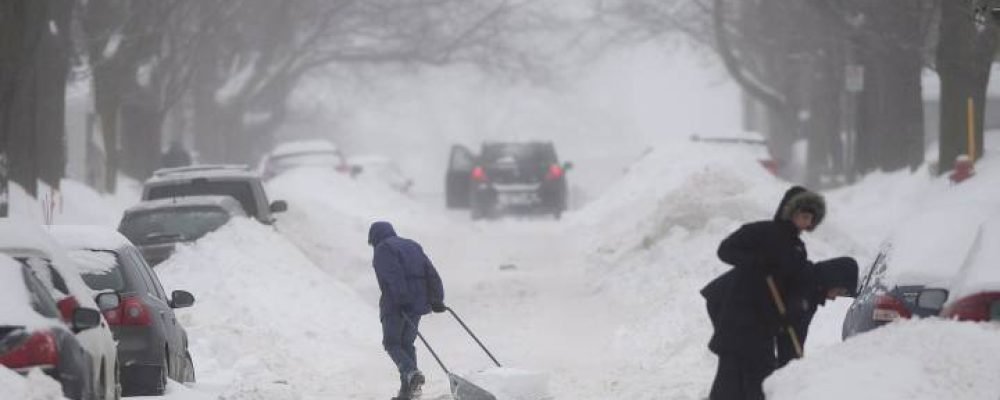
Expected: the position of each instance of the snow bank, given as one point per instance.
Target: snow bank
(267, 320)
(913, 360)
(35, 386)
(329, 214)
(73, 203)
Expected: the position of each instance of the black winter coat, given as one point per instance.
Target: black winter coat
(740, 303)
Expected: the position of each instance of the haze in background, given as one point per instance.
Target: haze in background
(601, 116)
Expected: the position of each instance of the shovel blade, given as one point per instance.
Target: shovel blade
(462, 389)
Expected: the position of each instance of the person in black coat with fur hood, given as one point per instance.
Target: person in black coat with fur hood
(744, 315)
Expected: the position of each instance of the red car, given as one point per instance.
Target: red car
(976, 291)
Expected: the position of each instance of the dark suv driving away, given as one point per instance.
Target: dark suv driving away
(507, 177)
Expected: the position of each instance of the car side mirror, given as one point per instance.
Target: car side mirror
(279, 206)
(568, 165)
(85, 318)
(932, 299)
(108, 301)
(181, 299)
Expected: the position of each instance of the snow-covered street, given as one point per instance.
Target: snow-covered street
(604, 303)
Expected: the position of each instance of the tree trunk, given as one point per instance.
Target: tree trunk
(141, 126)
(964, 56)
(890, 126)
(35, 52)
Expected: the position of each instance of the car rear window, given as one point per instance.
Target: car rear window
(100, 269)
(522, 153)
(241, 191)
(172, 224)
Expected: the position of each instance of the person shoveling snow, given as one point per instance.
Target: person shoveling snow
(771, 292)
(411, 288)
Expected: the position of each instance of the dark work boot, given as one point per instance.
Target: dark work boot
(415, 381)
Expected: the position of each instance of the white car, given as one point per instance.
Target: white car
(307, 153)
(382, 169)
(33, 247)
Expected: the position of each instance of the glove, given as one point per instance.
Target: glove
(438, 307)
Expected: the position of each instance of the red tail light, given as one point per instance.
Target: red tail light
(66, 308)
(888, 308)
(131, 312)
(478, 174)
(39, 350)
(555, 172)
(972, 308)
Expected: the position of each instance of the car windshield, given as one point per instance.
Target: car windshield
(522, 153)
(239, 190)
(100, 269)
(172, 224)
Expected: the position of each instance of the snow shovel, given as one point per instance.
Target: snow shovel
(776, 296)
(461, 388)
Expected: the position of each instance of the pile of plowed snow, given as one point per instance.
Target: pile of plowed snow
(913, 360)
(266, 321)
(35, 386)
(655, 236)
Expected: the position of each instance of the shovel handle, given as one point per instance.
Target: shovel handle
(480, 343)
(776, 296)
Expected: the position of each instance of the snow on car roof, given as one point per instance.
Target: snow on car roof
(226, 202)
(14, 296)
(88, 237)
(216, 172)
(94, 262)
(303, 146)
(26, 237)
(931, 248)
(980, 272)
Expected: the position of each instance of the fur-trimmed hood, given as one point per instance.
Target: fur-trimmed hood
(807, 201)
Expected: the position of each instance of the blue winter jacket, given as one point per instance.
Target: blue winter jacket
(406, 276)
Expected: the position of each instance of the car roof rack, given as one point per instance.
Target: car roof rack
(201, 167)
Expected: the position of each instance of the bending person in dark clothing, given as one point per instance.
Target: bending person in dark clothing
(744, 315)
(835, 278)
(411, 288)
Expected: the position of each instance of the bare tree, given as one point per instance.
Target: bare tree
(247, 70)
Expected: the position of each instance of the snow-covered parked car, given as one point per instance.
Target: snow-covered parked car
(916, 268)
(305, 153)
(236, 181)
(33, 336)
(156, 227)
(976, 289)
(382, 169)
(152, 344)
(29, 244)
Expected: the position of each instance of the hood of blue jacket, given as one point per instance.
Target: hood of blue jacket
(379, 231)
